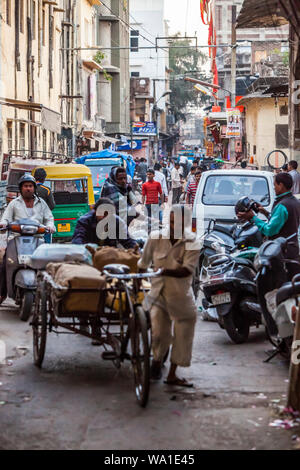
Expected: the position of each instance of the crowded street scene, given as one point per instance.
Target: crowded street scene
(150, 227)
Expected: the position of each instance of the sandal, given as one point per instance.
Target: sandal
(179, 382)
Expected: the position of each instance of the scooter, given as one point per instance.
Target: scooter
(221, 238)
(229, 286)
(20, 278)
(275, 294)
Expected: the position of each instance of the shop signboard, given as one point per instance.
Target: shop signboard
(233, 123)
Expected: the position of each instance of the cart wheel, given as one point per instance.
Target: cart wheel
(39, 326)
(140, 355)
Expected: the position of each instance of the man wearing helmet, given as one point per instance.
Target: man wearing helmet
(284, 219)
(27, 206)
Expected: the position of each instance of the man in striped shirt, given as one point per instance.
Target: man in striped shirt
(192, 187)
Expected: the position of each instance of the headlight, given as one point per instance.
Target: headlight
(29, 229)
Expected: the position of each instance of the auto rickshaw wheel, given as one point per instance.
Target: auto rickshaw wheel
(39, 326)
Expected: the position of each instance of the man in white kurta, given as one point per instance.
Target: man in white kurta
(171, 300)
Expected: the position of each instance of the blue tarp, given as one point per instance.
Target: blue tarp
(110, 154)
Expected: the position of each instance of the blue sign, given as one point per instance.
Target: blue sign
(136, 145)
(144, 128)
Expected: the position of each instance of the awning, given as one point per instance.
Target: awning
(264, 14)
(92, 65)
(20, 104)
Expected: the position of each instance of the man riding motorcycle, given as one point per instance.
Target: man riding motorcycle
(27, 206)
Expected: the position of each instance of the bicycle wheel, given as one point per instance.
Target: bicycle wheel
(140, 355)
(276, 159)
(39, 326)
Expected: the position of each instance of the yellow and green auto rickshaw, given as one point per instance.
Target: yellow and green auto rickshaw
(72, 188)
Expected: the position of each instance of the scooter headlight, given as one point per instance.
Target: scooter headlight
(29, 229)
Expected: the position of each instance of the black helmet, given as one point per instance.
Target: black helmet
(27, 178)
(244, 204)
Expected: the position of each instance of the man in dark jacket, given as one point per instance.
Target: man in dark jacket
(87, 228)
(43, 191)
(121, 194)
(284, 219)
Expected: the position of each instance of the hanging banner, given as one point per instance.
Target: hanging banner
(233, 123)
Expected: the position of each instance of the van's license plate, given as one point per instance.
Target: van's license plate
(24, 259)
(220, 299)
(64, 227)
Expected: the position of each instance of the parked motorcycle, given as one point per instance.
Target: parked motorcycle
(20, 278)
(224, 239)
(275, 293)
(229, 286)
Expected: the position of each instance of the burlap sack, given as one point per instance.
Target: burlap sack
(110, 255)
(78, 277)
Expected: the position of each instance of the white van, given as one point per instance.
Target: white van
(219, 191)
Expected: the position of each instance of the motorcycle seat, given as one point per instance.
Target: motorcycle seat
(223, 229)
(244, 262)
(287, 291)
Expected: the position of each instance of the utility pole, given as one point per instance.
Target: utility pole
(233, 74)
(155, 120)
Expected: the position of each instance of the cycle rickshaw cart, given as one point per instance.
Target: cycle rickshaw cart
(119, 324)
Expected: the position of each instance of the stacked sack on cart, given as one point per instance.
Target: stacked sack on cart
(78, 269)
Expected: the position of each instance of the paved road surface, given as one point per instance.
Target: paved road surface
(78, 401)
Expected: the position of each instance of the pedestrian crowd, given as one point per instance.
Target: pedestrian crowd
(171, 302)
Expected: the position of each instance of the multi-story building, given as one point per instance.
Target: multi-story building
(113, 84)
(260, 52)
(30, 75)
(56, 93)
(148, 30)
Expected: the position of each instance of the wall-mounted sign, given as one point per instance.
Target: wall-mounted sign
(144, 128)
(136, 145)
(233, 123)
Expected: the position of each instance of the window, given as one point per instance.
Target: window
(134, 40)
(8, 12)
(254, 149)
(22, 137)
(86, 32)
(9, 135)
(135, 74)
(219, 18)
(282, 136)
(52, 141)
(44, 143)
(33, 23)
(43, 28)
(284, 110)
(22, 16)
(223, 190)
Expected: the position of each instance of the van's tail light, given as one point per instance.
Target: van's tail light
(194, 224)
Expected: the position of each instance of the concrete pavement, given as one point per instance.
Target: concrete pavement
(79, 401)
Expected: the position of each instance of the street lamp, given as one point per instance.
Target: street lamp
(210, 85)
(156, 121)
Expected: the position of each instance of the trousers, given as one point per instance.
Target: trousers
(181, 338)
(176, 193)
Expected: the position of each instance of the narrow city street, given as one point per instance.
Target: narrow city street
(79, 401)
